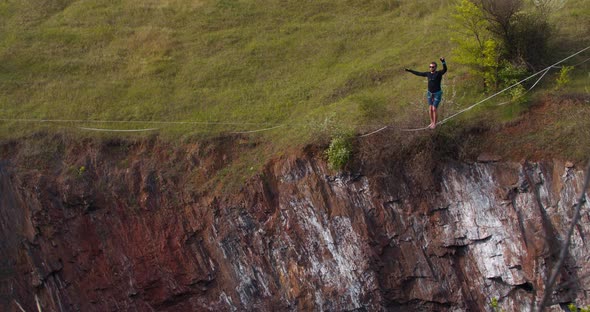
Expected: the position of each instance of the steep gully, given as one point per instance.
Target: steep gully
(122, 226)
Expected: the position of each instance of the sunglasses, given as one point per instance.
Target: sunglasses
(432, 66)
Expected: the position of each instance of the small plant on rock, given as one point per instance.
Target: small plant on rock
(574, 308)
(495, 305)
(339, 151)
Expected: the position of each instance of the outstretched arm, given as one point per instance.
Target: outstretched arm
(422, 74)
(444, 63)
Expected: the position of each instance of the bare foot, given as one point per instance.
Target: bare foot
(432, 126)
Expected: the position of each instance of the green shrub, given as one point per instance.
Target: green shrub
(530, 42)
(510, 74)
(340, 151)
(518, 95)
(573, 308)
(564, 77)
(495, 305)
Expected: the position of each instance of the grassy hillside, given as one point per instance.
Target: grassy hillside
(238, 65)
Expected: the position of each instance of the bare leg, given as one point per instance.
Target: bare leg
(430, 100)
(430, 113)
(433, 116)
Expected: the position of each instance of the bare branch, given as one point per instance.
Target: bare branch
(564, 248)
(501, 13)
(38, 304)
(19, 306)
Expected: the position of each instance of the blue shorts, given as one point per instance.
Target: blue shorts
(434, 98)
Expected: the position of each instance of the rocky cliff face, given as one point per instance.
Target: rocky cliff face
(127, 227)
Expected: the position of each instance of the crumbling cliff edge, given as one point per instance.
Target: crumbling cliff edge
(127, 227)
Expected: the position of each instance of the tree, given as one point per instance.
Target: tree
(501, 15)
(499, 36)
(531, 39)
(524, 35)
(476, 46)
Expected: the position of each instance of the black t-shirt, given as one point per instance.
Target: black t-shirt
(434, 79)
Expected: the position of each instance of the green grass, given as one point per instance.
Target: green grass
(321, 67)
(210, 61)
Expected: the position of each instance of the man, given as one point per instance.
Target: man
(434, 93)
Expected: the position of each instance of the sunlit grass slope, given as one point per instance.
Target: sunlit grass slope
(226, 65)
(271, 61)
